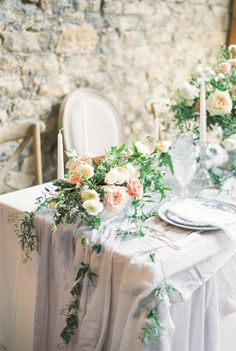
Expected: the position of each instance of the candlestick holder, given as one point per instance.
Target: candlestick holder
(202, 179)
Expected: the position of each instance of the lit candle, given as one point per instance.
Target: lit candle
(85, 132)
(60, 156)
(203, 125)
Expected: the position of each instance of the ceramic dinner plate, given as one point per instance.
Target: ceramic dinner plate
(168, 216)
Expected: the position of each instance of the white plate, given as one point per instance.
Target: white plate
(169, 217)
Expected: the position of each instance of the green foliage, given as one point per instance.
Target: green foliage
(72, 321)
(152, 257)
(152, 329)
(27, 237)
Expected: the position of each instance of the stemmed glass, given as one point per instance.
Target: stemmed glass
(184, 159)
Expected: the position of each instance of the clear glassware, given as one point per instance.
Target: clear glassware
(184, 158)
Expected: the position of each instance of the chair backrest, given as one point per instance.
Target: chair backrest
(90, 122)
(24, 131)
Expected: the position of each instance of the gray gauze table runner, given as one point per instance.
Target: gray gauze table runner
(126, 278)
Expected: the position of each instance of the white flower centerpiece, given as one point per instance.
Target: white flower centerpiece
(220, 82)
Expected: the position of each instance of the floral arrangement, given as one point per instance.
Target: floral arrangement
(220, 81)
(99, 188)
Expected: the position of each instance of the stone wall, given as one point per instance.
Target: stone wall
(124, 48)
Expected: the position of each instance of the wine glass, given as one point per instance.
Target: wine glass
(184, 159)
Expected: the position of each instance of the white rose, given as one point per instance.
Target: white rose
(93, 207)
(197, 70)
(142, 148)
(230, 143)
(89, 194)
(133, 171)
(219, 103)
(164, 146)
(215, 135)
(186, 91)
(117, 175)
(115, 198)
(86, 170)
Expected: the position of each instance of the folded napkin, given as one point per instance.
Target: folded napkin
(192, 210)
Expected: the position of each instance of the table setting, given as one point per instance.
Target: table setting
(133, 249)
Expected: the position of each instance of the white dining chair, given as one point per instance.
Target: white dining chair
(90, 122)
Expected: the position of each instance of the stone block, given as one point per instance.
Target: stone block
(77, 65)
(56, 86)
(74, 39)
(29, 108)
(10, 85)
(75, 17)
(3, 116)
(8, 62)
(25, 41)
(41, 65)
(112, 7)
(88, 5)
(20, 180)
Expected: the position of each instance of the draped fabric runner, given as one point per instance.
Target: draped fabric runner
(126, 279)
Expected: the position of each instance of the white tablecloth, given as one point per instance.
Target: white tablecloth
(18, 281)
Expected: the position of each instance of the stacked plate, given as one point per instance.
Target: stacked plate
(167, 213)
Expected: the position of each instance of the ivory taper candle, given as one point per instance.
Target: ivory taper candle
(156, 131)
(60, 156)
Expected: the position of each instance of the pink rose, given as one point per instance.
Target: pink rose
(225, 67)
(232, 62)
(234, 89)
(135, 188)
(115, 197)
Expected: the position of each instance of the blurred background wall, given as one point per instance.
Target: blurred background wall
(125, 49)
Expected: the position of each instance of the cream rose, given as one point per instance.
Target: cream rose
(93, 207)
(219, 103)
(163, 146)
(117, 175)
(187, 92)
(135, 188)
(86, 170)
(89, 194)
(230, 143)
(142, 148)
(133, 171)
(115, 197)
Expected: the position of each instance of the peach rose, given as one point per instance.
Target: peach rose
(135, 188)
(75, 178)
(225, 67)
(72, 165)
(115, 197)
(234, 90)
